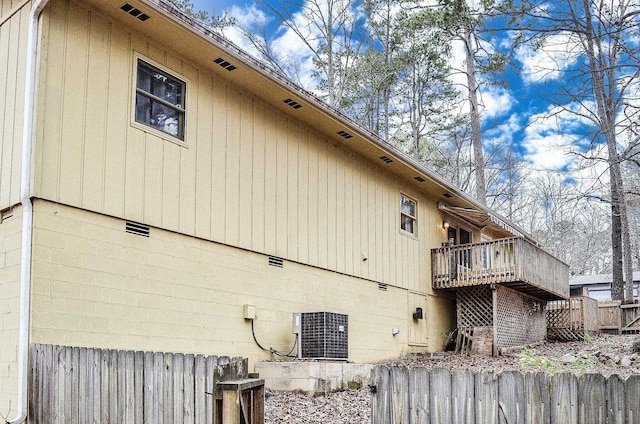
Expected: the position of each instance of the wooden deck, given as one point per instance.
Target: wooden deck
(512, 262)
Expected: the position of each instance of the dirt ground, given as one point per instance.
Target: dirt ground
(603, 354)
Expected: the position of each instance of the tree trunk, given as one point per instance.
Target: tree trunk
(601, 73)
(476, 135)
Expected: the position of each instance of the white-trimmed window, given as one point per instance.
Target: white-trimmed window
(160, 100)
(408, 209)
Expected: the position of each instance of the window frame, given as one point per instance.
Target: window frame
(181, 137)
(414, 217)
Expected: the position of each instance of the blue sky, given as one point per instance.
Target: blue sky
(214, 7)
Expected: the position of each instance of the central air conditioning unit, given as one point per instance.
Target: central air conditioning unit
(322, 335)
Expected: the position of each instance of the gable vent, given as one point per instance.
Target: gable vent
(137, 229)
(382, 286)
(276, 261)
(419, 179)
(292, 103)
(344, 134)
(223, 63)
(386, 159)
(134, 12)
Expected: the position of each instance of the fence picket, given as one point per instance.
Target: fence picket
(632, 394)
(189, 387)
(138, 364)
(178, 388)
(564, 405)
(200, 396)
(399, 395)
(486, 397)
(463, 389)
(511, 398)
(615, 408)
(380, 399)
(591, 398)
(537, 395)
(440, 401)
(419, 392)
(149, 386)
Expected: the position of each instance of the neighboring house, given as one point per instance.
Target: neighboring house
(173, 187)
(598, 286)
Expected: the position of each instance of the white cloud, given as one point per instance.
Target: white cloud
(548, 61)
(496, 101)
(548, 139)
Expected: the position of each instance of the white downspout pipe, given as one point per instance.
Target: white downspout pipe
(27, 209)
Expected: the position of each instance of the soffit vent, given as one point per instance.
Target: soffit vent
(386, 159)
(276, 261)
(419, 179)
(292, 103)
(223, 63)
(137, 229)
(344, 134)
(447, 195)
(382, 286)
(137, 13)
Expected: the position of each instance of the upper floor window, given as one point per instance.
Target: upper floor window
(160, 100)
(407, 214)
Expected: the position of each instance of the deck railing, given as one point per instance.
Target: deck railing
(512, 261)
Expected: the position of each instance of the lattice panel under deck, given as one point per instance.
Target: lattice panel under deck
(474, 307)
(520, 319)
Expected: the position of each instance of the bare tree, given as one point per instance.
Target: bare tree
(601, 37)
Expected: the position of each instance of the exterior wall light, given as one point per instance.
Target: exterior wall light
(445, 224)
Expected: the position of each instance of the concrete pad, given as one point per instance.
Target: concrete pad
(313, 377)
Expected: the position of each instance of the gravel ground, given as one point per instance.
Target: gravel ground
(602, 354)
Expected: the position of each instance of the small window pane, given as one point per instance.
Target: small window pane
(406, 224)
(407, 206)
(160, 85)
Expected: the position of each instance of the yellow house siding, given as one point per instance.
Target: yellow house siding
(13, 41)
(247, 174)
(10, 240)
(96, 285)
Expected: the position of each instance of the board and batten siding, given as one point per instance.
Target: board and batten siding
(14, 17)
(247, 175)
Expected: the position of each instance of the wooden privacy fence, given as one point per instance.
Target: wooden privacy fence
(82, 385)
(439, 396)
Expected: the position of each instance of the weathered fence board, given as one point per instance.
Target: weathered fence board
(440, 393)
(512, 400)
(486, 397)
(537, 395)
(614, 396)
(419, 398)
(399, 395)
(462, 396)
(632, 394)
(81, 385)
(380, 412)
